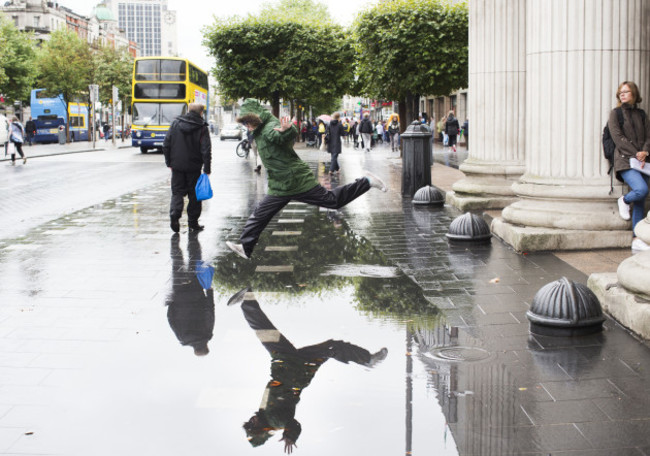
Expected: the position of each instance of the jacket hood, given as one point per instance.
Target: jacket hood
(190, 122)
(252, 106)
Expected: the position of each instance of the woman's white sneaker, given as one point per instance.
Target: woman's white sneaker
(623, 209)
(638, 244)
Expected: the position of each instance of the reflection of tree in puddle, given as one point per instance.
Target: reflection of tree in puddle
(292, 370)
(328, 259)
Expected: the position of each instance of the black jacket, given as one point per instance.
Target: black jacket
(30, 126)
(452, 127)
(187, 145)
(335, 132)
(366, 126)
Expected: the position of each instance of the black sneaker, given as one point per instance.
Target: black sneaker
(196, 227)
(378, 357)
(175, 225)
(238, 297)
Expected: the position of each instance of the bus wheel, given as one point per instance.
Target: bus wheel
(143, 150)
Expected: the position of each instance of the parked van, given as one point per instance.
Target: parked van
(4, 134)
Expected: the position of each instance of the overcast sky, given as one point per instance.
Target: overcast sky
(192, 15)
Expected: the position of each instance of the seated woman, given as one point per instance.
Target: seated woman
(632, 140)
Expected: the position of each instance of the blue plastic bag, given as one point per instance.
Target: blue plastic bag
(203, 188)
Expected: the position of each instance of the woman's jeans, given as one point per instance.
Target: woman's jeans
(638, 184)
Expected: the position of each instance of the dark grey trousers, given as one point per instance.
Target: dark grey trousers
(317, 196)
(183, 184)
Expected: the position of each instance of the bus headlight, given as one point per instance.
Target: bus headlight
(138, 134)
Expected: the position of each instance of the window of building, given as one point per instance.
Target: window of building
(37, 21)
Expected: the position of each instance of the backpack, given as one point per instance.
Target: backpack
(609, 147)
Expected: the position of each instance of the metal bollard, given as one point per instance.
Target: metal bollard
(416, 158)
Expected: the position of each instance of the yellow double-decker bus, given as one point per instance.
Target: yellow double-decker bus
(162, 88)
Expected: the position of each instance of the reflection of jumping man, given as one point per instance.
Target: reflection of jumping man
(190, 310)
(292, 369)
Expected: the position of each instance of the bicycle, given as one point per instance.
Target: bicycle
(243, 148)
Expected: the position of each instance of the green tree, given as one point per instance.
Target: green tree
(276, 57)
(113, 67)
(65, 67)
(17, 62)
(299, 11)
(409, 48)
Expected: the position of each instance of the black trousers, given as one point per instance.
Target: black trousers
(18, 147)
(276, 344)
(317, 196)
(183, 184)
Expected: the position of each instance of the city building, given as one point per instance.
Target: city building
(149, 23)
(42, 18)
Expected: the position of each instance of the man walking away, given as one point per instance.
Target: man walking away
(187, 149)
(289, 178)
(451, 129)
(30, 129)
(366, 128)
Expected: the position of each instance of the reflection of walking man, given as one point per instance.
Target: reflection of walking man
(190, 307)
(187, 149)
(292, 370)
(289, 178)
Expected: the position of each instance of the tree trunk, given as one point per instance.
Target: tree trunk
(67, 117)
(275, 104)
(401, 110)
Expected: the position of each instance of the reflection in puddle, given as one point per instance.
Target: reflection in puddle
(292, 370)
(190, 305)
(362, 270)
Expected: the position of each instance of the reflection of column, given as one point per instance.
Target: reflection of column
(497, 83)
(577, 54)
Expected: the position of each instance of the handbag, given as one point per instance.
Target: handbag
(203, 189)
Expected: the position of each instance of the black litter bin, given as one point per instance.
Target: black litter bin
(416, 158)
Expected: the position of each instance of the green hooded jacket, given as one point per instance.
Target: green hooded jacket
(287, 174)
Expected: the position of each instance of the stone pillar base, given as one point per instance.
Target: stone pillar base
(535, 239)
(626, 308)
(468, 202)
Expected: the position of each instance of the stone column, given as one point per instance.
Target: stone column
(496, 112)
(577, 54)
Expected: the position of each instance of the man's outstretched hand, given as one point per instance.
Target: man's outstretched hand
(289, 445)
(285, 123)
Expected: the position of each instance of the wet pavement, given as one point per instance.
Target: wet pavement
(361, 330)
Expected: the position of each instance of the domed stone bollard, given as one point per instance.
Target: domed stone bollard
(565, 308)
(469, 227)
(428, 195)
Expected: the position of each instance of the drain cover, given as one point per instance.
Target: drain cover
(461, 354)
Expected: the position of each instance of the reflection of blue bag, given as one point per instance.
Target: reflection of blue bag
(203, 188)
(204, 272)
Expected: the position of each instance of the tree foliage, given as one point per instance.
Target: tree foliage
(298, 11)
(17, 67)
(408, 48)
(112, 67)
(275, 56)
(65, 66)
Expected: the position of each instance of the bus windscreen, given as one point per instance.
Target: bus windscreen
(157, 113)
(160, 70)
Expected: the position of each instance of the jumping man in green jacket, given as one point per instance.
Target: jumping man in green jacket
(289, 178)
